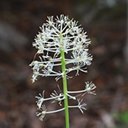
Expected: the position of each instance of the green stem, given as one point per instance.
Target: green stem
(63, 67)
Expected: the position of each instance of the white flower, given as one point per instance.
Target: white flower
(54, 97)
(58, 97)
(81, 106)
(40, 100)
(36, 69)
(41, 112)
(90, 88)
(59, 34)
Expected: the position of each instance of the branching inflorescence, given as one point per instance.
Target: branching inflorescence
(62, 47)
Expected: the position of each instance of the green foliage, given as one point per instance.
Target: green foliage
(123, 117)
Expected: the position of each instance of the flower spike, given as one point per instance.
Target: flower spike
(62, 47)
(47, 41)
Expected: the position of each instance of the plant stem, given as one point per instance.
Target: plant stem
(63, 67)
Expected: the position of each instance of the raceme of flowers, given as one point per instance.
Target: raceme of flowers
(61, 33)
(56, 35)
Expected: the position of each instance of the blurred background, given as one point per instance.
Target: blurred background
(105, 23)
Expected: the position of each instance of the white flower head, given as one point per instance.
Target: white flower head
(40, 100)
(59, 97)
(58, 34)
(81, 106)
(41, 112)
(89, 88)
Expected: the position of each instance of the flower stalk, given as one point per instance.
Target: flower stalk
(63, 67)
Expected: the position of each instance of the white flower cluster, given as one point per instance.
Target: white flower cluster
(55, 97)
(56, 34)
